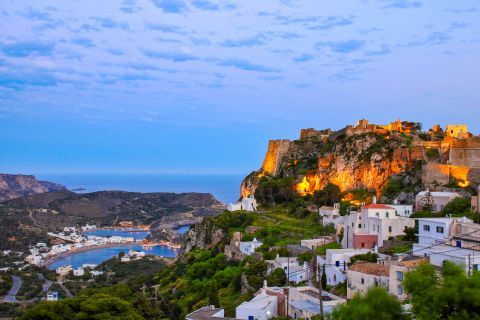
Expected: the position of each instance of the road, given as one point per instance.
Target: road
(11, 296)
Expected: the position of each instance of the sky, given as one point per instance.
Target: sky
(200, 86)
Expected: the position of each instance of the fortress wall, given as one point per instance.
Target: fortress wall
(468, 156)
(276, 151)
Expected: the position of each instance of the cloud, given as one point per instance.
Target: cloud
(317, 22)
(19, 80)
(245, 65)
(111, 24)
(205, 5)
(246, 42)
(303, 58)
(84, 42)
(402, 4)
(167, 28)
(115, 52)
(171, 6)
(172, 56)
(26, 48)
(434, 38)
(342, 46)
(380, 52)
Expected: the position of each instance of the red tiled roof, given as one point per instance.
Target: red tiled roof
(370, 268)
(377, 206)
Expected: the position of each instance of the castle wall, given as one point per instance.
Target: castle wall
(468, 156)
(275, 153)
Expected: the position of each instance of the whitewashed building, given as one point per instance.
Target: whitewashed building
(336, 263)
(52, 295)
(261, 307)
(439, 199)
(247, 204)
(361, 276)
(249, 247)
(64, 270)
(318, 242)
(303, 302)
(295, 271)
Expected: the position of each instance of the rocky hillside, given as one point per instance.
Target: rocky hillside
(55, 210)
(14, 186)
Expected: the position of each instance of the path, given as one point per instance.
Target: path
(11, 296)
(67, 292)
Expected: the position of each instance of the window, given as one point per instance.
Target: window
(459, 244)
(373, 227)
(399, 291)
(388, 214)
(475, 267)
(363, 281)
(439, 229)
(426, 227)
(399, 276)
(390, 229)
(359, 226)
(377, 214)
(337, 263)
(363, 244)
(396, 213)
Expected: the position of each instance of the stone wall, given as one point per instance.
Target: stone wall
(275, 153)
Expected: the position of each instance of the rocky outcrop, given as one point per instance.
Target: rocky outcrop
(14, 186)
(204, 236)
(365, 161)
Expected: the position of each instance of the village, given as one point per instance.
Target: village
(353, 257)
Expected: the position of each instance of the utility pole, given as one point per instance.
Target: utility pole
(320, 290)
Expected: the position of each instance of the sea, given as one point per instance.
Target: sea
(225, 188)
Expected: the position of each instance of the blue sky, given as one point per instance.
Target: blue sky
(200, 86)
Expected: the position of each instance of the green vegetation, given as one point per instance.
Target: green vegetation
(322, 250)
(367, 257)
(433, 153)
(451, 296)
(5, 284)
(117, 302)
(376, 304)
(272, 191)
(31, 286)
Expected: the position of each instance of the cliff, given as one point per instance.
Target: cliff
(367, 157)
(16, 185)
(204, 236)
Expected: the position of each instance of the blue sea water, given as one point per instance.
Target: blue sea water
(225, 188)
(136, 235)
(100, 255)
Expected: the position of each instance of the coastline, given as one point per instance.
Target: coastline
(60, 256)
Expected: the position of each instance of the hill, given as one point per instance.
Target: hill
(14, 186)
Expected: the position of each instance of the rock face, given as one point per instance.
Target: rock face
(14, 186)
(204, 235)
(365, 161)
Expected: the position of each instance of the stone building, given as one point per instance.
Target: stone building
(457, 131)
(361, 276)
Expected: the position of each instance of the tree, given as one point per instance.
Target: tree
(277, 278)
(324, 277)
(450, 295)
(376, 304)
(213, 299)
(428, 202)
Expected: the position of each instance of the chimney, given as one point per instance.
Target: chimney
(374, 199)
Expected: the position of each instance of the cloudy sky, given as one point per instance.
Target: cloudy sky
(200, 86)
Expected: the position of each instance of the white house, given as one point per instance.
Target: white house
(204, 313)
(261, 307)
(247, 204)
(373, 225)
(434, 230)
(52, 295)
(449, 239)
(402, 210)
(303, 302)
(329, 212)
(439, 199)
(336, 263)
(249, 247)
(314, 243)
(361, 276)
(295, 271)
(64, 270)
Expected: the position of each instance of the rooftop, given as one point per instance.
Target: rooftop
(439, 194)
(370, 268)
(260, 302)
(206, 313)
(377, 206)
